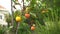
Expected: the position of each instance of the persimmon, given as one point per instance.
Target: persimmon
(27, 15)
(18, 18)
(32, 28)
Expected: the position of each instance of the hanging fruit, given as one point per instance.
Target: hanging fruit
(27, 15)
(18, 18)
(32, 28)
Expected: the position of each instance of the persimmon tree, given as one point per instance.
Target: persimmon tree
(33, 16)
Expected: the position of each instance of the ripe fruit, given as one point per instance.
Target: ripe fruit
(27, 15)
(32, 28)
(18, 18)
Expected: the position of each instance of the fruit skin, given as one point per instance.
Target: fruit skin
(27, 15)
(18, 18)
(32, 28)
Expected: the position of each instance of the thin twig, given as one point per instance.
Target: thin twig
(17, 28)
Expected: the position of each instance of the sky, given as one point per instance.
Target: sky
(6, 4)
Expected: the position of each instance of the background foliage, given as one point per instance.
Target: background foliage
(47, 22)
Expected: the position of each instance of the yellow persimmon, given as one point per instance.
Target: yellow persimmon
(18, 18)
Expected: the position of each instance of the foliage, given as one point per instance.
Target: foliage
(46, 23)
